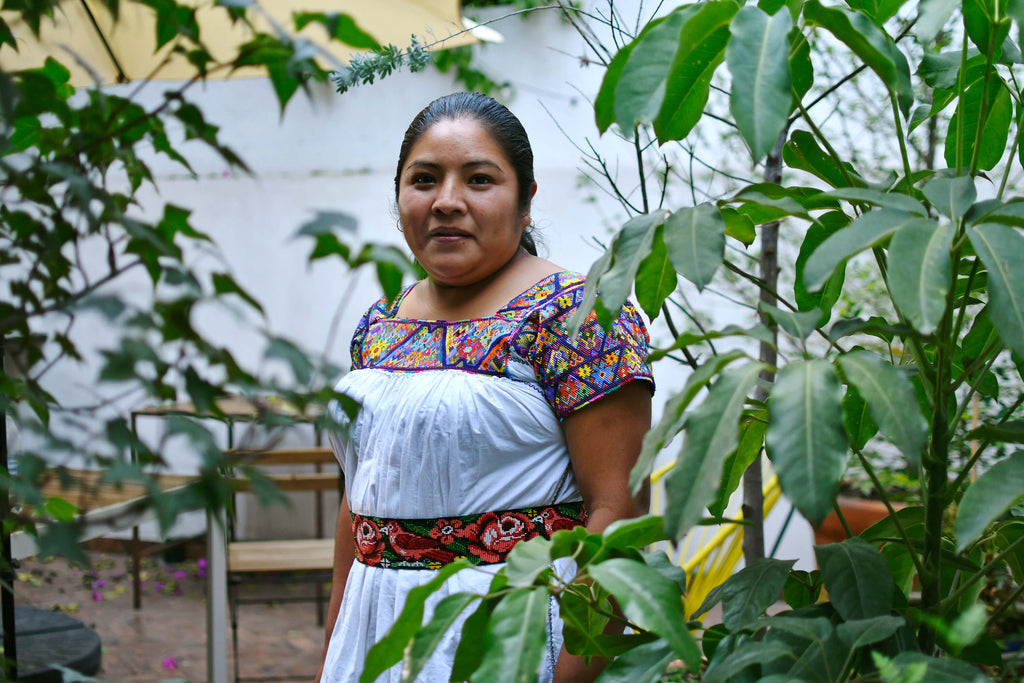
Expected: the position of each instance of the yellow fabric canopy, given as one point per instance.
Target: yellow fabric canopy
(75, 40)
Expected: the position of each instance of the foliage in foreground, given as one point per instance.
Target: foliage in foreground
(74, 231)
(904, 598)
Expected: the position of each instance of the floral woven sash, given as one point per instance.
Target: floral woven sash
(482, 539)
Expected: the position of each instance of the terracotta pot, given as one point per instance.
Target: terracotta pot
(860, 513)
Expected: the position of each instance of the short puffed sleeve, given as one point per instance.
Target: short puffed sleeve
(575, 371)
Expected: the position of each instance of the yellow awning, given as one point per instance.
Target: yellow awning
(76, 41)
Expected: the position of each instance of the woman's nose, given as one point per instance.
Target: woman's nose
(449, 198)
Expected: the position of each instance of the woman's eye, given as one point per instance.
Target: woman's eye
(479, 179)
(422, 179)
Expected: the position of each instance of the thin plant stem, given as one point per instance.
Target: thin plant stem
(904, 536)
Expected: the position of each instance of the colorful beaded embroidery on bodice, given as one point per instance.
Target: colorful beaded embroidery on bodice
(532, 327)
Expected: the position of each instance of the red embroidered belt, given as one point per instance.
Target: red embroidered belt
(482, 539)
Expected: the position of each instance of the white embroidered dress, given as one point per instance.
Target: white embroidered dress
(461, 418)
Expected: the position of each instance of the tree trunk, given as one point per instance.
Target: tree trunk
(753, 484)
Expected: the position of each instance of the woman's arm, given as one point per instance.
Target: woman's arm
(344, 556)
(604, 440)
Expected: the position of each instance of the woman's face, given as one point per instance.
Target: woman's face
(458, 203)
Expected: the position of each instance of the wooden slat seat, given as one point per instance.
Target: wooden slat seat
(298, 555)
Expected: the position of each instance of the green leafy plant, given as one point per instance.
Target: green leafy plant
(74, 166)
(904, 598)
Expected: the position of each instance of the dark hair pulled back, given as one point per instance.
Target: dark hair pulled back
(501, 124)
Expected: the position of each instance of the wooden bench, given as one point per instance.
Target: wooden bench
(309, 558)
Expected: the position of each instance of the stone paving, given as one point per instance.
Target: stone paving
(166, 639)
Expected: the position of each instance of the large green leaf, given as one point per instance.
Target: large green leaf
(604, 104)
(729, 668)
(860, 427)
(751, 444)
(871, 44)
(803, 152)
(1002, 251)
(869, 230)
(515, 637)
(695, 237)
(640, 90)
(825, 299)
(762, 93)
(934, 669)
(753, 589)
(632, 533)
(991, 495)
(987, 24)
(920, 274)
(806, 439)
(986, 105)
(582, 625)
(644, 664)
(797, 324)
(527, 561)
(712, 433)
(429, 637)
(889, 200)
(801, 68)
(1005, 213)
(655, 277)
(1006, 535)
(857, 578)
(701, 48)
(861, 632)
(673, 416)
(649, 600)
(630, 248)
(951, 197)
(891, 399)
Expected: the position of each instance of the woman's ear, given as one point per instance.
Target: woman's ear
(526, 214)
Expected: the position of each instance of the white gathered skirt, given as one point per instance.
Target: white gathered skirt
(439, 443)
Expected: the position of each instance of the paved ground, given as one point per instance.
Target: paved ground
(166, 639)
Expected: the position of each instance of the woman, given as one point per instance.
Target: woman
(482, 422)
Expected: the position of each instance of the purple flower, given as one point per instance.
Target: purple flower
(180, 574)
(158, 585)
(96, 595)
(99, 583)
(170, 663)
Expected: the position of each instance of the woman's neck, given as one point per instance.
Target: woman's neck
(484, 297)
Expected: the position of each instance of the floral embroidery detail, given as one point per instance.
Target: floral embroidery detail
(496, 534)
(481, 539)
(572, 371)
(447, 530)
(369, 542)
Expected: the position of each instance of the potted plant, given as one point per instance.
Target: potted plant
(862, 502)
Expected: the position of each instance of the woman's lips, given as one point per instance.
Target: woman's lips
(448, 235)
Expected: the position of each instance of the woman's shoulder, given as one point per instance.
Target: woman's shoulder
(382, 308)
(553, 292)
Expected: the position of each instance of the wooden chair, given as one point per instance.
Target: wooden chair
(267, 561)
